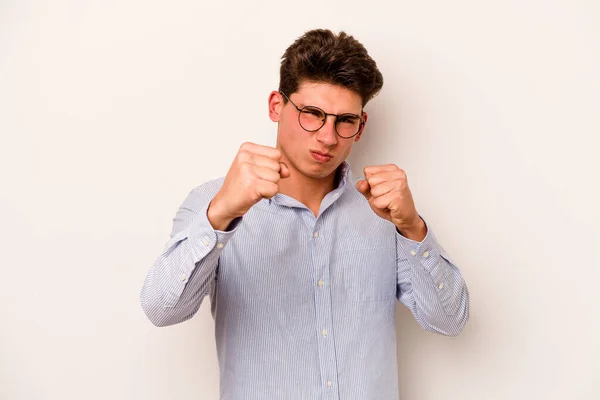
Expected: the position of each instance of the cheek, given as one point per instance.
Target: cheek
(346, 148)
(292, 140)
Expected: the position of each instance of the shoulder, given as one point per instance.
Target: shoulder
(204, 192)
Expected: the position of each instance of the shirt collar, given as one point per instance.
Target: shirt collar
(343, 176)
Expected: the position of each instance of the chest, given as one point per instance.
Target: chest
(285, 254)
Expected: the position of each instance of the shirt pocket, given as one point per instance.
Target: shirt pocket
(368, 266)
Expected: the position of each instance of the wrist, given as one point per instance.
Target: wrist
(217, 216)
(417, 230)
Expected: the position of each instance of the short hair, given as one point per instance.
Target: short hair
(322, 56)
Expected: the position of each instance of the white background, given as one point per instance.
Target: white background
(112, 111)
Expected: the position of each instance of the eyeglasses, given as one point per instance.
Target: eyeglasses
(312, 119)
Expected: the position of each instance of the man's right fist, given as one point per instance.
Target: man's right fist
(253, 175)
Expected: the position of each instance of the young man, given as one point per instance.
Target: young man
(302, 262)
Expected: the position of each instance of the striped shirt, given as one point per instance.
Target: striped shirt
(304, 306)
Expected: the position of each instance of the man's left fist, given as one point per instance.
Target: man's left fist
(386, 189)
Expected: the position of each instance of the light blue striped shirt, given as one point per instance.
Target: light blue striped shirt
(304, 305)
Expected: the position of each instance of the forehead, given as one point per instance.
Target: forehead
(331, 98)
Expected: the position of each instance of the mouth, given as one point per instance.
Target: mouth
(321, 157)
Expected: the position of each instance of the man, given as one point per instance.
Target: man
(303, 263)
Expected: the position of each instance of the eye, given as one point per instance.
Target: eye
(348, 119)
(313, 112)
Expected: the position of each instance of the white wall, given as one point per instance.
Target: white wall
(111, 111)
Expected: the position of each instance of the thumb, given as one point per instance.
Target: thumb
(284, 171)
(364, 188)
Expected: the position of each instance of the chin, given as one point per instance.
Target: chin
(319, 171)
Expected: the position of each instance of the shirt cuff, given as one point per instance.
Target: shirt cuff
(429, 260)
(425, 254)
(204, 238)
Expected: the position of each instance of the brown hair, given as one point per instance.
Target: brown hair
(322, 56)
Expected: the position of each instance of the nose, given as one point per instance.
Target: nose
(326, 134)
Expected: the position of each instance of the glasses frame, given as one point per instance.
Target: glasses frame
(337, 117)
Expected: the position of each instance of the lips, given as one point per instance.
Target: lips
(319, 156)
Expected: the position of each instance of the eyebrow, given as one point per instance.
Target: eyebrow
(301, 105)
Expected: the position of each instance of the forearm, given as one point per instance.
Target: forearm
(180, 277)
(431, 286)
(178, 281)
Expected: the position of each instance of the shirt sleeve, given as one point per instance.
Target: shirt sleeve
(180, 277)
(430, 285)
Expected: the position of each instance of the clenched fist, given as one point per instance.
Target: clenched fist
(253, 175)
(386, 189)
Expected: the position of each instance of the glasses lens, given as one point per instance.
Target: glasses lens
(312, 118)
(347, 125)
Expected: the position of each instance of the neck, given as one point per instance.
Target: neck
(308, 191)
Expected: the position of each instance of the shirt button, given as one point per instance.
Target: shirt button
(182, 277)
(204, 240)
(316, 234)
(413, 253)
(329, 384)
(324, 332)
(426, 254)
(220, 245)
(441, 286)
(320, 283)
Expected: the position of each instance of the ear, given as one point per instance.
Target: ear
(362, 128)
(275, 106)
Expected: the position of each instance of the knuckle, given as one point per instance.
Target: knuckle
(245, 146)
(274, 165)
(243, 155)
(245, 167)
(246, 157)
